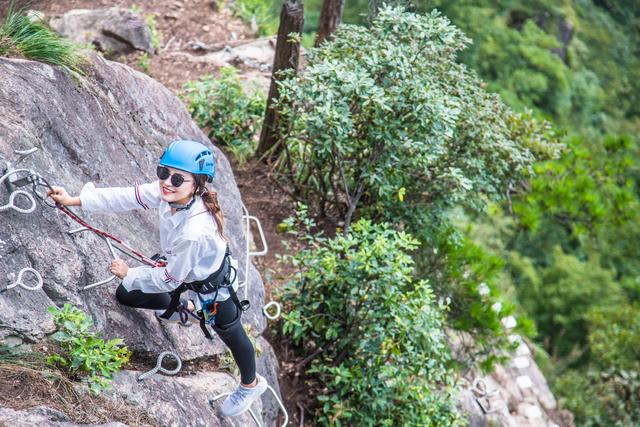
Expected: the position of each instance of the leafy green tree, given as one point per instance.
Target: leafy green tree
(560, 297)
(401, 131)
(615, 336)
(371, 333)
(588, 202)
(469, 276)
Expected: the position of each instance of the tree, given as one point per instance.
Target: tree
(330, 18)
(286, 58)
(399, 129)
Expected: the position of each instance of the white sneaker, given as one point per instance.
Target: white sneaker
(242, 398)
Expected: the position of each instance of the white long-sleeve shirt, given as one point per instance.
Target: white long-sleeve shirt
(189, 238)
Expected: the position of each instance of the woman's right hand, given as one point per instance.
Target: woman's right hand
(60, 195)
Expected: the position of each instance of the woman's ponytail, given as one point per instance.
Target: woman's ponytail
(210, 199)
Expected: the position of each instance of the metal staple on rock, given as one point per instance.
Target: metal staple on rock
(276, 315)
(159, 368)
(248, 254)
(483, 395)
(16, 193)
(20, 283)
(248, 218)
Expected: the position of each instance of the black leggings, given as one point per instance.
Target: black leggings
(227, 326)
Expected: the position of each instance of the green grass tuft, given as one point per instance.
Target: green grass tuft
(22, 37)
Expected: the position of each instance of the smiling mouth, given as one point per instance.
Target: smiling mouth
(166, 190)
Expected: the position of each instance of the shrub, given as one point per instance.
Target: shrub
(258, 13)
(20, 36)
(232, 116)
(372, 333)
(607, 391)
(560, 297)
(601, 398)
(400, 130)
(84, 351)
(614, 336)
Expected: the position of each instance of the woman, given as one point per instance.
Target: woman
(191, 235)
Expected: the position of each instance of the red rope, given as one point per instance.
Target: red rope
(40, 181)
(142, 258)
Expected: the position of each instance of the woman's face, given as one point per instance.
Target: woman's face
(181, 194)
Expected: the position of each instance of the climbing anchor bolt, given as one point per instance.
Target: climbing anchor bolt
(20, 283)
(278, 310)
(159, 368)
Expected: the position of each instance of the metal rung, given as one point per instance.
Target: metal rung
(262, 238)
(248, 218)
(113, 254)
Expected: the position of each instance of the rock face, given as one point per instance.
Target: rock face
(113, 30)
(516, 395)
(42, 416)
(180, 401)
(109, 128)
(255, 54)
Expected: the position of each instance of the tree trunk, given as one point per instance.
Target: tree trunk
(286, 57)
(330, 18)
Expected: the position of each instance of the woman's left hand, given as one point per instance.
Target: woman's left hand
(119, 268)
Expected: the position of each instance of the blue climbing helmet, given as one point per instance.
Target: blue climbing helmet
(190, 156)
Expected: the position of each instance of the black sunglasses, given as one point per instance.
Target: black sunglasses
(176, 178)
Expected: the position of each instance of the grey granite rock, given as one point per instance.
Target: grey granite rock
(110, 128)
(112, 30)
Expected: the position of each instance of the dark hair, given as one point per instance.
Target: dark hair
(210, 199)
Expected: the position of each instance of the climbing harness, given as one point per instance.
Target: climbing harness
(253, 415)
(159, 368)
(225, 277)
(21, 284)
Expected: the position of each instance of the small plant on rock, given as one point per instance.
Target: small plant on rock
(144, 63)
(85, 353)
(32, 39)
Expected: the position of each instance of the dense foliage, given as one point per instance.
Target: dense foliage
(562, 248)
(400, 134)
(371, 332)
(230, 113)
(401, 128)
(85, 353)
